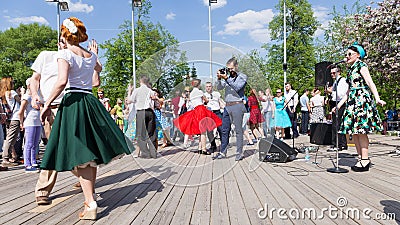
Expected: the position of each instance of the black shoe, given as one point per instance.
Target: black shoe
(362, 168)
(343, 148)
(331, 149)
(205, 153)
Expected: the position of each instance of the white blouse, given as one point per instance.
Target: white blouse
(196, 97)
(81, 69)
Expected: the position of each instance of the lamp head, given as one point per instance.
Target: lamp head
(64, 6)
(137, 3)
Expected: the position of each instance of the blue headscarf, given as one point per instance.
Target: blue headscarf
(360, 49)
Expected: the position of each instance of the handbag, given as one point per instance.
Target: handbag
(8, 111)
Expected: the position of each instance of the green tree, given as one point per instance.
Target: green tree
(301, 26)
(377, 28)
(379, 31)
(155, 52)
(254, 66)
(338, 35)
(193, 71)
(19, 48)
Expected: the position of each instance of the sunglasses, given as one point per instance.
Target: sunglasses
(279, 92)
(334, 72)
(350, 54)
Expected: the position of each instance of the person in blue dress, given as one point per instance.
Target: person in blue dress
(281, 118)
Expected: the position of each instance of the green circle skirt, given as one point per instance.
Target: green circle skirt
(83, 131)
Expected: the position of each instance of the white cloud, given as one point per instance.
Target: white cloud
(255, 23)
(322, 15)
(170, 16)
(30, 19)
(78, 6)
(219, 4)
(260, 35)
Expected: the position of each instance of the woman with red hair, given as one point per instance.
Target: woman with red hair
(83, 134)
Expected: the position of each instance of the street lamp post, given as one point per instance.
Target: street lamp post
(64, 7)
(135, 3)
(284, 43)
(209, 35)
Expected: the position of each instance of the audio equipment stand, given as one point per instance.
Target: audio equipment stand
(337, 169)
(294, 113)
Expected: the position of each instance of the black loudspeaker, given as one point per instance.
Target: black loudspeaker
(321, 133)
(274, 150)
(323, 74)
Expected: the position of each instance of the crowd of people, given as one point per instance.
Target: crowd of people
(60, 91)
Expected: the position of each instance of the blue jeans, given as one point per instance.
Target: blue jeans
(267, 124)
(232, 114)
(32, 138)
(305, 117)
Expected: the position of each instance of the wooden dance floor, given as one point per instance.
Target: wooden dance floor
(182, 187)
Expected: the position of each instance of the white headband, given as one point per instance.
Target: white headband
(70, 26)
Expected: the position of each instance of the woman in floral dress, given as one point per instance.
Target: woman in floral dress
(361, 116)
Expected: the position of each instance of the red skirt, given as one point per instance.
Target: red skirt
(197, 121)
(256, 116)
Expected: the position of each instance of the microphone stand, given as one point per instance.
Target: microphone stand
(294, 113)
(337, 169)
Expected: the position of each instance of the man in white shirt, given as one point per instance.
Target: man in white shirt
(305, 111)
(143, 98)
(291, 108)
(338, 91)
(213, 104)
(45, 73)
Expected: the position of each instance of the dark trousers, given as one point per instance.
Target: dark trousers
(293, 119)
(232, 114)
(146, 133)
(210, 134)
(305, 117)
(335, 126)
(175, 131)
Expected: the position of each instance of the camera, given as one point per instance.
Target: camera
(224, 71)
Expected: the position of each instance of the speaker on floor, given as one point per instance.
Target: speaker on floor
(323, 74)
(272, 149)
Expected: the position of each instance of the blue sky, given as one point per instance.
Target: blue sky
(239, 23)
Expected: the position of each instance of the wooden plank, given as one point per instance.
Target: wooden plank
(219, 205)
(184, 210)
(202, 207)
(152, 201)
(169, 206)
(173, 190)
(334, 186)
